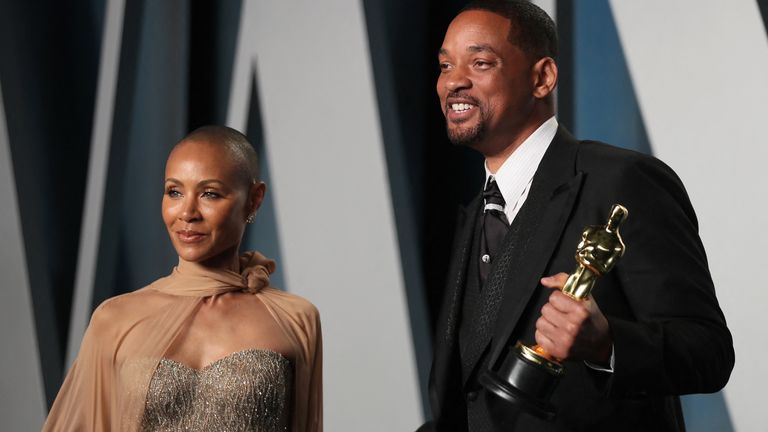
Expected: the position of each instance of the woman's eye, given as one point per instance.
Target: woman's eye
(173, 193)
(211, 194)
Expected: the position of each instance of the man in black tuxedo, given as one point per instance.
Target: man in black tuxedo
(652, 329)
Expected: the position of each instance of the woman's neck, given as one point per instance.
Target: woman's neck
(227, 260)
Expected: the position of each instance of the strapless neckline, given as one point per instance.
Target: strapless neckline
(249, 390)
(226, 358)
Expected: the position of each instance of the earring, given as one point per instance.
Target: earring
(251, 218)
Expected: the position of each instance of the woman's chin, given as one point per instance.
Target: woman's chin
(208, 258)
(193, 254)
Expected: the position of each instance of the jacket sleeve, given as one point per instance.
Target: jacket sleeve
(677, 341)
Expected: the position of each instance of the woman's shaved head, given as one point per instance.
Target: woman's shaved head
(234, 143)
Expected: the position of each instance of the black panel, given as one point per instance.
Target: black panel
(49, 52)
(110, 268)
(451, 175)
(213, 40)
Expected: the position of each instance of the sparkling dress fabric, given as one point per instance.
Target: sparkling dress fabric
(247, 390)
(107, 387)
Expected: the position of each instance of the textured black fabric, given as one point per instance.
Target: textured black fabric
(470, 301)
(477, 417)
(494, 227)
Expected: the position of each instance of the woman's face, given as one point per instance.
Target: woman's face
(206, 203)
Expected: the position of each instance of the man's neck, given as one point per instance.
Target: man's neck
(496, 155)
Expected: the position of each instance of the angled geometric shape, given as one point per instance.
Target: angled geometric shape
(323, 141)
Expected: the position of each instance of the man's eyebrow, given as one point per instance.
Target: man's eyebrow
(481, 48)
(471, 48)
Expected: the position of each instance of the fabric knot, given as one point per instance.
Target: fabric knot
(255, 269)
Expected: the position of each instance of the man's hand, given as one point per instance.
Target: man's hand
(570, 328)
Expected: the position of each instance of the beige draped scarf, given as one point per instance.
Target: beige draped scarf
(105, 390)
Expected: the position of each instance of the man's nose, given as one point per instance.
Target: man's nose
(458, 80)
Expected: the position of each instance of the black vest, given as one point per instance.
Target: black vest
(479, 307)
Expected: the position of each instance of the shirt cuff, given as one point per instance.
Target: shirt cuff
(608, 369)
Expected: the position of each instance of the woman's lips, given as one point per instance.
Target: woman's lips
(190, 236)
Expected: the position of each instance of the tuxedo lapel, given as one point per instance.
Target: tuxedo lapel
(446, 335)
(554, 192)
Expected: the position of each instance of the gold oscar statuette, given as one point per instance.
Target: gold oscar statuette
(528, 375)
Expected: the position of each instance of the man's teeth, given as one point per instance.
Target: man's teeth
(461, 107)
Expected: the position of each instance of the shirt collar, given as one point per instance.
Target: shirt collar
(518, 169)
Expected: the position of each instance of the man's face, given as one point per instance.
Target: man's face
(485, 84)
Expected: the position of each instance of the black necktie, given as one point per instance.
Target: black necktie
(495, 227)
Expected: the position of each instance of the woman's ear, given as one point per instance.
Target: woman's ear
(256, 196)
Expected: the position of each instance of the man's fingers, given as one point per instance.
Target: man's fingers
(566, 304)
(555, 345)
(556, 281)
(543, 341)
(556, 317)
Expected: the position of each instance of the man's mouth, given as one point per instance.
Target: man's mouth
(461, 107)
(460, 110)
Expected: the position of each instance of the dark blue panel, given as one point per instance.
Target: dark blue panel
(706, 413)
(262, 235)
(605, 105)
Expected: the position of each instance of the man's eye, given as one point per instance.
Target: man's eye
(482, 64)
(445, 66)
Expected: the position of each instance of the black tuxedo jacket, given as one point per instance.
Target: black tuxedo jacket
(669, 334)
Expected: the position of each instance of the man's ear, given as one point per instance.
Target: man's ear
(544, 74)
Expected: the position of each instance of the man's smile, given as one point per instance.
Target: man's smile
(459, 109)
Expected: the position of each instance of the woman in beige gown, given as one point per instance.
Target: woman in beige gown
(211, 346)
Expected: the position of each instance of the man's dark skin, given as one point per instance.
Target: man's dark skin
(510, 94)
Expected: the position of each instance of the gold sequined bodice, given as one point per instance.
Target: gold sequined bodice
(245, 391)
